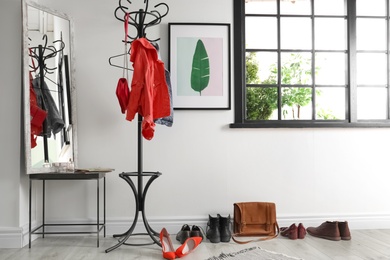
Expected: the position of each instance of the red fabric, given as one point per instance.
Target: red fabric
(37, 116)
(149, 91)
(122, 93)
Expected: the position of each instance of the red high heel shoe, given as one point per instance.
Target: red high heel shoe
(166, 243)
(290, 232)
(301, 231)
(188, 246)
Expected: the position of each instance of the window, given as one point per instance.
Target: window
(311, 63)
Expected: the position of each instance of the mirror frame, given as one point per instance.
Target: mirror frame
(26, 85)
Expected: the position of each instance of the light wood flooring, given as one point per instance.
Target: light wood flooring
(365, 244)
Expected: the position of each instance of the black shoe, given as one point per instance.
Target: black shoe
(224, 228)
(183, 234)
(196, 232)
(212, 231)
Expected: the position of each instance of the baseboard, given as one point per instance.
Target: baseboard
(174, 225)
(10, 238)
(18, 237)
(119, 226)
(378, 221)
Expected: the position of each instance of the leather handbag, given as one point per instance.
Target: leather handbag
(255, 219)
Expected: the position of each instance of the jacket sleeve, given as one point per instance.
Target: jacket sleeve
(137, 84)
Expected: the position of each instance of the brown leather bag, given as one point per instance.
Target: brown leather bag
(255, 219)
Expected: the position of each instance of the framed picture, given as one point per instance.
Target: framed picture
(199, 63)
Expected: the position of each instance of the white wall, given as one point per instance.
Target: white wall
(10, 118)
(311, 174)
(10, 106)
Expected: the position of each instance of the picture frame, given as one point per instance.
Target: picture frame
(200, 66)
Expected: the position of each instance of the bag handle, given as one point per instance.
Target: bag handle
(234, 236)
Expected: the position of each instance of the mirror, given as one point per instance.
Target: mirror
(49, 91)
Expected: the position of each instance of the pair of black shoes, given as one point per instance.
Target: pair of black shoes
(218, 229)
(187, 232)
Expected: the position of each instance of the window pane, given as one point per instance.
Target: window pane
(295, 7)
(372, 103)
(370, 7)
(296, 68)
(261, 68)
(330, 34)
(330, 68)
(371, 69)
(371, 34)
(295, 33)
(296, 103)
(261, 33)
(262, 7)
(261, 103)
(330, 103)
(329, 7)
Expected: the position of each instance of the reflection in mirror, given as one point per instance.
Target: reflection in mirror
(50, 127)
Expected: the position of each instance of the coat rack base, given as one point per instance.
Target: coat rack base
(139, 195)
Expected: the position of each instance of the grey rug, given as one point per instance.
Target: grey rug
(255, 253)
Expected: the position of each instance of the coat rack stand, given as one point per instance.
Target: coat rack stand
(41, 82)
(140, 191)
(140, 196)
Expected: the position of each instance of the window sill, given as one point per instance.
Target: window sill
(307, 124)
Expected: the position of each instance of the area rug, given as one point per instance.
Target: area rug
(254, 253)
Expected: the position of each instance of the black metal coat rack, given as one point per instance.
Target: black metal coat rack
(40, 55)
(140, 20)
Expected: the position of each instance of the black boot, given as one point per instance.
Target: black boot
(224, 228)
(212, 232)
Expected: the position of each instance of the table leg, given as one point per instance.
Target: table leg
(43, 208)
(98, 220)
(29, 215)
(104, 205)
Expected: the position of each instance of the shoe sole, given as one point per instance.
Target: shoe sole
(214, 239)
(225, 239)
(326, 237)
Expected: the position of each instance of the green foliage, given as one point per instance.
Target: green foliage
(326, 115)
(251, 69)
(297, 70)
(262, 101)
(200, 74)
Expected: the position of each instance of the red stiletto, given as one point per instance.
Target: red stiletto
(166, 243)
(188, 246)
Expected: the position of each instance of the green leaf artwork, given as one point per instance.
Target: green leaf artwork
(200, 74)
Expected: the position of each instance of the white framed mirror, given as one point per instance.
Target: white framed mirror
(50, 125)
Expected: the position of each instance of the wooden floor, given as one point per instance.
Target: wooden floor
(365, 244)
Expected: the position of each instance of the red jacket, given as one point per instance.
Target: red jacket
(37, 115)
(149, 91)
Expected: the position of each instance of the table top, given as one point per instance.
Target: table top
(78, 174)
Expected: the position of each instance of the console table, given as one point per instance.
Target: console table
(85, 175)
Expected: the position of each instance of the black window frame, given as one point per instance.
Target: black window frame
(351, 105)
